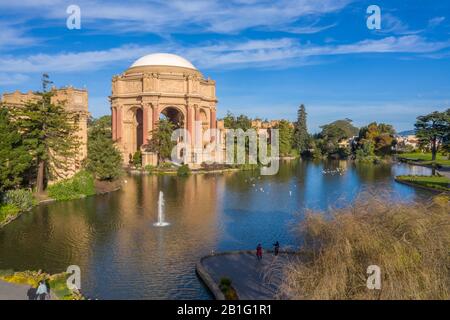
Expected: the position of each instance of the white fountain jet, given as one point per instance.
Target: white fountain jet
(161, 222)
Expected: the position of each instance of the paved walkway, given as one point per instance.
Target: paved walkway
(251, 278)
(13, 291)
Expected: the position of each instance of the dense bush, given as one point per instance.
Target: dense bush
(137, 159)
(104, 160)
(184, 171)
(79, 186)
(19, 198)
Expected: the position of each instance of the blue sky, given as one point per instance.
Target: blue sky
(266, 56)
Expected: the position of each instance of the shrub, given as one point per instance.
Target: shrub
(137, 159)
(149, 168)
(166, 165)
(227, 290)
(79, 186)
(409, 242)
(19, 198)
(184, 171)
(6, 211)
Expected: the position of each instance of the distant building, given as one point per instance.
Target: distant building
(410, 141)
(74, 100)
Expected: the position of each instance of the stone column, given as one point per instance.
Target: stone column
(213, 123)
(145, 111)
(213, 118)
(119, 120)
(114, 123)
(155, 115)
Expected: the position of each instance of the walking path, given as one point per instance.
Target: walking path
(252, 279)
(13, 291)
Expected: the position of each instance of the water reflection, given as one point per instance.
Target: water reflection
(121, 255)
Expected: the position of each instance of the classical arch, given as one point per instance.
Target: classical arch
(175, 115)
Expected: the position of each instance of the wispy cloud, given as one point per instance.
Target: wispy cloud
(13, 36)
(221, 55)
(12, 78)
(182, 16)
(434, 22)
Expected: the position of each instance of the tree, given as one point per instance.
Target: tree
(381, 136)
(433, 129)
(161, 141)
(14, 158)
(285, 136)
(49, 133)
(104, 160)
(241, 122)
(301, 138)
(335, 132)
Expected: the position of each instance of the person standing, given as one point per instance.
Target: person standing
(41, 291)
(276, 248)
(259, 251)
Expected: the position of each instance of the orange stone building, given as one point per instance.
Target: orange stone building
(158, 86)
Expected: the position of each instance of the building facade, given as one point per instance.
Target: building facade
(75, 101)
(160, 86)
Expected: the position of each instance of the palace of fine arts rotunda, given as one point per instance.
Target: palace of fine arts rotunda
(157, 86)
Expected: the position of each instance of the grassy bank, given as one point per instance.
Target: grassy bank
(424, 158)
(32, 278)
(13, 203)
(439, 183)
(79, 186)
(409, 242)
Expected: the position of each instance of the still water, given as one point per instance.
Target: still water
(122, 255)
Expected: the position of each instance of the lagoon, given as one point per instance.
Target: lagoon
(122, 255)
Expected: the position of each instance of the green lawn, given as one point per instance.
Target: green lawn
(433, 182)
(425, 158)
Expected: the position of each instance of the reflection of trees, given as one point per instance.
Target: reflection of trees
(368, 172)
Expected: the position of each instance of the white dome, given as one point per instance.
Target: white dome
(163, 59)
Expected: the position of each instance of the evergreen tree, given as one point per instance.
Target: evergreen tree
(301, 137)
(49, 133)
(14, 158)
(160, 141)
(104, 160)
(285, 136)
(433, 129)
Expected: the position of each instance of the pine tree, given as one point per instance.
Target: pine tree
(104, 160)
(14, 158)
(285, 137)
(301, 137)
(49, 133)
(433, 129)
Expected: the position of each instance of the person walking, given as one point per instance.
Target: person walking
(259, 251)
(41, 291)
(276, 248)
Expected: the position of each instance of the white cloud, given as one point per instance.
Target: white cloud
(181, 16)
(12, 78)
(13, 36)
(222, 55)
(434, 22)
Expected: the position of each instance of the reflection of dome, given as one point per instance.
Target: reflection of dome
(163, 59)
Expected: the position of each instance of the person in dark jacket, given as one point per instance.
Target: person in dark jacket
(276, 248)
